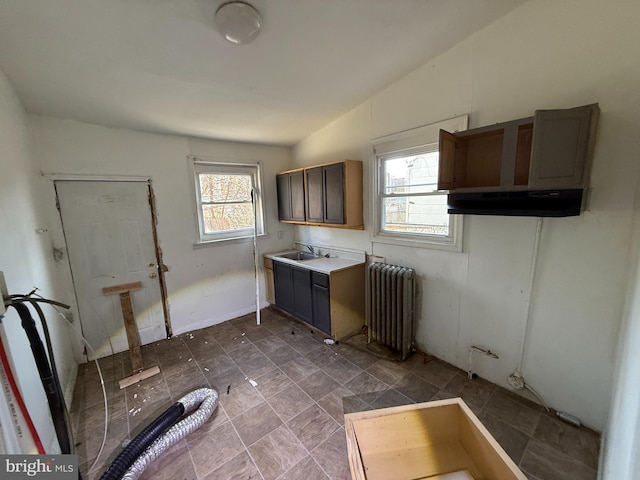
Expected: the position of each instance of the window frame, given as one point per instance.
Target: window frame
(414, 141)
(200, 166)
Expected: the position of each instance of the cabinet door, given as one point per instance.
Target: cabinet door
(333, 182)
(303, 306)
(284, 286)
(321, 302)
(447, 161)
(315, 211)
(562, 142)
(284, 196)
(297, 196)
(270, 285)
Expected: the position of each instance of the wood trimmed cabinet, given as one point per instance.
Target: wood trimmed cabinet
(332, 303)
(331, 195)
(550, 151)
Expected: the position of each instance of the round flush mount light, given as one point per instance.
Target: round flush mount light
(238, 22)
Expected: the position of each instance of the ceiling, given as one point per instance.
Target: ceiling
(160, 66)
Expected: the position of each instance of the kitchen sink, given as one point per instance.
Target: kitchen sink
(299, 256)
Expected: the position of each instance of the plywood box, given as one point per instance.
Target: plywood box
(424, 441)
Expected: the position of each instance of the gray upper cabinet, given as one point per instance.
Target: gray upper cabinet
(315, 195)
(551, 150)
(325, 198)
(328, 195)
(290, 188)
(562, 144)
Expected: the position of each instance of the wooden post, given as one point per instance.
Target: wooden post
(133, 337)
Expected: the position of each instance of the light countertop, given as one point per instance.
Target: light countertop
(322, 265)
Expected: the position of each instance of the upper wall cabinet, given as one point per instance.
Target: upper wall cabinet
(290, 187)
(551, 150)
(331, 195)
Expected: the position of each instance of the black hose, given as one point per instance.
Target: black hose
(54, 369)
(141, 442)
(46, 377)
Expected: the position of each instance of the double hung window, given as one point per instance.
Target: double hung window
(409, 207)
(228, 201)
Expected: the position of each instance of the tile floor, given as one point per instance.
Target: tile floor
(290, 426)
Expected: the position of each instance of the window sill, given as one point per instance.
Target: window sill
(226, 241)
(451, 245)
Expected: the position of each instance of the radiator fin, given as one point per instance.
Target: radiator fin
(390, 306)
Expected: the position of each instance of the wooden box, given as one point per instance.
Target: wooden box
(428, 440)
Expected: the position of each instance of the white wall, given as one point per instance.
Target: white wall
(206, 285)
(622, 442)
(26, 260)
(545, 54)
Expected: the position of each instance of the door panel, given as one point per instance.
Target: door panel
(315, 195)
(334, 193)
(297, 196)
(303, 307)
(560, 147)
(108, 229)
(284, 196)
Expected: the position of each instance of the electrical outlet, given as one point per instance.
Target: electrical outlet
(3, 292)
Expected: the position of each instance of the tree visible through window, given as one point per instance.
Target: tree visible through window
(224, 200)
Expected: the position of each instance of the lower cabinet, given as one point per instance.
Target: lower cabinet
(321, 301)
(268, 279)
(333, 304)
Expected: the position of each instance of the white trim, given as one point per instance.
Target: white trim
(409, 140)
(197, 165)
(423, 135)
(94, 178)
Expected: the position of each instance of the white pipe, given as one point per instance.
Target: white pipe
(532, 278)
(255, 255)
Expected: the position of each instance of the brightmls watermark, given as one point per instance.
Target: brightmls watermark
(45, 467)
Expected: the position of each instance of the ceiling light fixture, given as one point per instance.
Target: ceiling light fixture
(238, 22)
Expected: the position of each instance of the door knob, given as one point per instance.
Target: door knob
(153, 275)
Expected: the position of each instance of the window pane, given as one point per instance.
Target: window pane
(225, 187)
(411, 174)
(427, 215)
(220, 218)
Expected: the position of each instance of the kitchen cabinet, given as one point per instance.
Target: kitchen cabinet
(321, 301)
(302, 301)
(331, 195)
(290, 188)
(283, 286)
(325, 194)
(293, 290)
(332, 303)
(551, 150)
(269, 280)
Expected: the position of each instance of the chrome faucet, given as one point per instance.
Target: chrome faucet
(310, 248)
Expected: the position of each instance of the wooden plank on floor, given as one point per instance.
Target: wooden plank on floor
(138, 377)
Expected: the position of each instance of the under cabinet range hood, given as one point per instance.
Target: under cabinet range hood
(536, 166)
(529, 203)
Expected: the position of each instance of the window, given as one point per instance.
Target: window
(224, 201)
(410, 210)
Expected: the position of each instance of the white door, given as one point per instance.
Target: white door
(109, 234)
